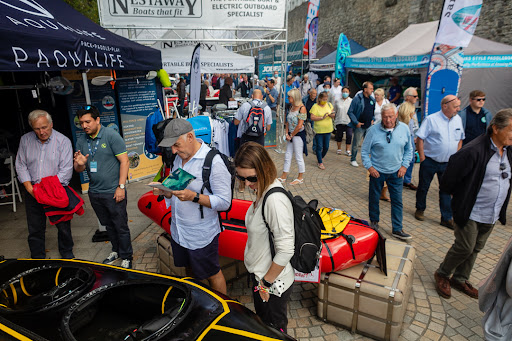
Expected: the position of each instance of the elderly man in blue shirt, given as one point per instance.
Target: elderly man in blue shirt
(439, 137)
(386, 153)
(479, 178)
(195, 239)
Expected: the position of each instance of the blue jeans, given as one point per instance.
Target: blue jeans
(322, 145)
(359, 134)
(408, 173)
(395, 186)
(429, 168)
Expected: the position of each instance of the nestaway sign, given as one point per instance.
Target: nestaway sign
(192, 13)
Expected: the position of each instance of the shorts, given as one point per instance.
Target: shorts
(204, 262)
(343, 128)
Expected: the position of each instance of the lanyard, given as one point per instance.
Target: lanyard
(91, 152)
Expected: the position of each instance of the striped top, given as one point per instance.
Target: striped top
(36, 160)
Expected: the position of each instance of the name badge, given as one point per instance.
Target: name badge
(93, 166)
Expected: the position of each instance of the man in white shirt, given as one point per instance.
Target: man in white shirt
(305, 86)
(195, 239)
(439, 137)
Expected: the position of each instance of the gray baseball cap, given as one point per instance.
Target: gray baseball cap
(174, 130)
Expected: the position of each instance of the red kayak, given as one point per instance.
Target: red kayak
(336, 252)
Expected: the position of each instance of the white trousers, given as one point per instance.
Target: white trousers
(294, 147)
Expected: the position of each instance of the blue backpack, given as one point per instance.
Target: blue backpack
(151, 142)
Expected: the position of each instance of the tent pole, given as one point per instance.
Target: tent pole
(282, 111)
(86, 89)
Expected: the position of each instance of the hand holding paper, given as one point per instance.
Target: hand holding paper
(176, 181)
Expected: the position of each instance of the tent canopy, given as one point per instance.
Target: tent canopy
(214, 58)
(487, 64)
(328, 62)
(51, 35)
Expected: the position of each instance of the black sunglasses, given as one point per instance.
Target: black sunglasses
(388, 136)
(503, 166)
(253, 178)
(479, 99)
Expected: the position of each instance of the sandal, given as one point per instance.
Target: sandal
(339, 152)
(297, 182)
(321, 166)
(282, 180)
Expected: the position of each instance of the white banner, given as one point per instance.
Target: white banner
(458, 22)
(192, 13)
(195, 80)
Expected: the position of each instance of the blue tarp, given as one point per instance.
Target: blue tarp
(328, 62)
(51, 35)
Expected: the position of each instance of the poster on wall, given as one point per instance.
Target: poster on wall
(192, 13)
(137, 99)
(103, 98)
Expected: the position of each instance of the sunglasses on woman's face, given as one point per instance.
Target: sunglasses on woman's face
(253, 178)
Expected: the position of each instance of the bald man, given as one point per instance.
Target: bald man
(243, 113)
(439, 137)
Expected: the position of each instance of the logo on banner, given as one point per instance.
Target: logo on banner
(167, 8)
(28, 6)
(467, 18)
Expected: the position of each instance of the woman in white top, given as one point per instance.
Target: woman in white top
(272, 277)
(380, 100)
(295, 137)
(342, 120)
(336, 90)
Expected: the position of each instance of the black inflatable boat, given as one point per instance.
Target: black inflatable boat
(68, 300)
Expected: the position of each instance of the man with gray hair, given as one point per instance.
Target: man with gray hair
(195, 225)
(479, 178)
(389, 144)
(439, 137)
(411, 95)
(44, 152)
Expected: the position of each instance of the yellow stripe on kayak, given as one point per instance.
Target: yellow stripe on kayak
(23, 287)
(243, 333)
(57, 277)
(14, 295)
(165, 297)
(14, 333)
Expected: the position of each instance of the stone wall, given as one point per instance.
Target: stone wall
(372, 22)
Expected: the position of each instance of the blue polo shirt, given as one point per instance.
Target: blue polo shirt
(103, 149)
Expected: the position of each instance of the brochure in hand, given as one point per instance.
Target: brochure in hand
(176, 181)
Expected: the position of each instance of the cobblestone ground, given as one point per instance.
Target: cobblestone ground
(428, 316)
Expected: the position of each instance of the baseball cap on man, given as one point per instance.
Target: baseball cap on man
(174, 130)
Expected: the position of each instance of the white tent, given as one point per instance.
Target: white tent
(487, 64)
(214, 59)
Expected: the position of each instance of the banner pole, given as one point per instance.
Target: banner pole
(281, 108)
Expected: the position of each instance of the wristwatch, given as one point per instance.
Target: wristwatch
(266, 283)
(196, 198)
(122, 186)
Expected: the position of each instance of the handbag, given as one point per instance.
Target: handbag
(310, 133)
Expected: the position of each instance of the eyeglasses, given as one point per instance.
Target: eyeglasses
(415, 96)
(503, 166)
(479, 99)
(253, 178)
(388, 136)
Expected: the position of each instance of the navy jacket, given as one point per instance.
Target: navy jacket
(356, 108)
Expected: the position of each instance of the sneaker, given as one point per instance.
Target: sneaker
(354, 163)
(401, 235)
(348, 153)
(419, 215)
(111, 258)
(126, 263)
(339, 152)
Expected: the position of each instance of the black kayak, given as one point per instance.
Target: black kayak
(68, 300)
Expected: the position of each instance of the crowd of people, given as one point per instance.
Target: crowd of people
(467, 149)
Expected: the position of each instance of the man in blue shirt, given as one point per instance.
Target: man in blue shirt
(361, 116)
(475, 118)
(195, 240)
(479, 178)
(390, 148)
(439, 137)
(271, 94)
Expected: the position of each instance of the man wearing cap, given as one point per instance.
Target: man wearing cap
(195, 240)
(101, 152)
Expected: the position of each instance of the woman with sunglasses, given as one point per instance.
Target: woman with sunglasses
(295, 137)
(272, 277)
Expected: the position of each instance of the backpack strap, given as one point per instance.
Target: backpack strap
(270, 236)
(207, 170)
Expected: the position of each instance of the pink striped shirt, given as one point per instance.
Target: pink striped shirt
(36, 160)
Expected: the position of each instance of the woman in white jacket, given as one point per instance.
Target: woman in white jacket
(272, 277)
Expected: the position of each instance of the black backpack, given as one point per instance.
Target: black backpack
(308, 226)
(207, 170)
(255, 120)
